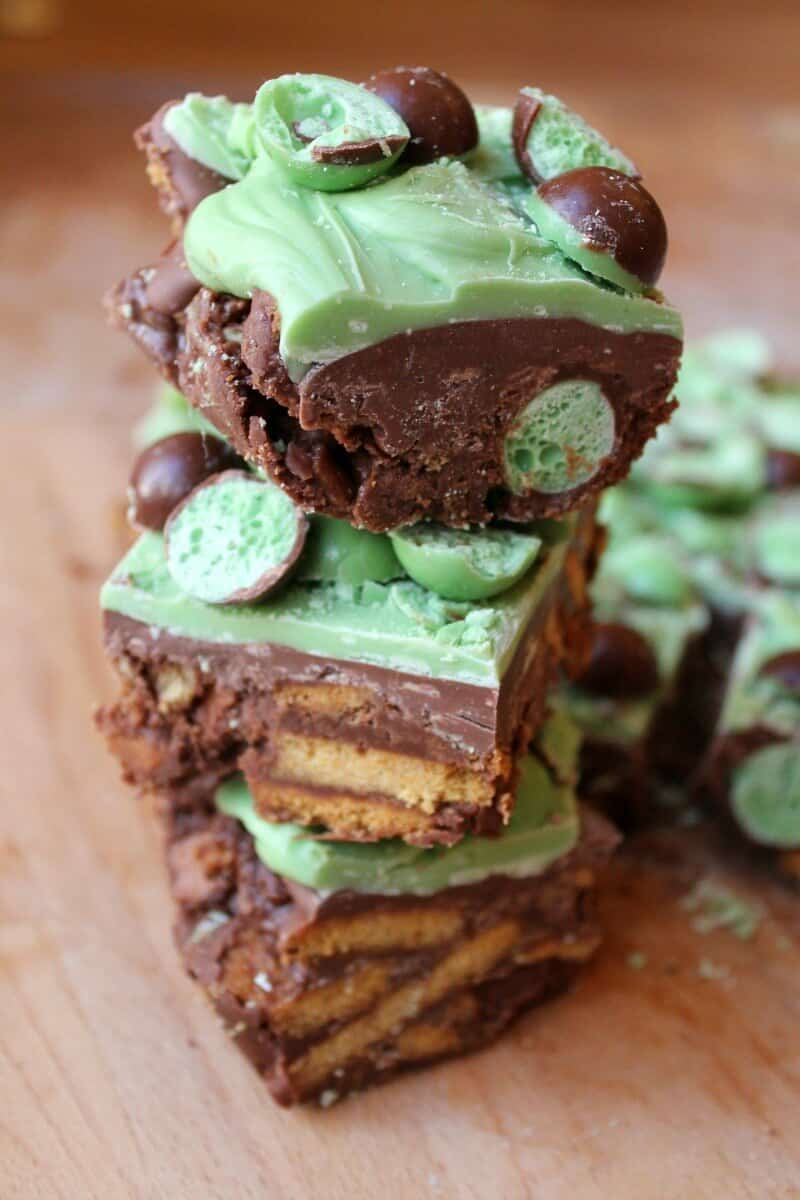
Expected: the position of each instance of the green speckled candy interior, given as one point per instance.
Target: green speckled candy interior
(465, 564)
(228, 534)
(544, 826)
(560, 140)
(560, 438)
(765, 795)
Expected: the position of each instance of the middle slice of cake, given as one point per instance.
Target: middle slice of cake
(356, 697)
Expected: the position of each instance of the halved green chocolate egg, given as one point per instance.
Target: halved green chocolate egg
(234, 539)
(327, 133)
(550, 138)
(560, 438)
(337, 552)
(465, 564)
(606, 222)
(765, 795)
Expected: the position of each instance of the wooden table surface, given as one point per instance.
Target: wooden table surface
(115, 1080)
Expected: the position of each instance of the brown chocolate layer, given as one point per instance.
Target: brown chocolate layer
(328, 993)
(412, 427)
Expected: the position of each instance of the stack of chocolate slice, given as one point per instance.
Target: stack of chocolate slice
(416, 340)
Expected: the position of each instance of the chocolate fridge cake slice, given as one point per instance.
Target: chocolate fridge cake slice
(334, 965)
(355, 696)
(429, 332)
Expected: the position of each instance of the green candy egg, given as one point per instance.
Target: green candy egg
(336, 552)
(234, 539)
(327, 133)
(465, 564)
(560, 438)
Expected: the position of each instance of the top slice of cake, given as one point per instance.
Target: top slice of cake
(402, 308)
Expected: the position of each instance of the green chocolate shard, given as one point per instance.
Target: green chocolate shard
(339, 553)
(560, 140)
(398, 624)
(234, 538)
(465, 564)
(560, 438)
(214, 132)
(765, 795)
(327, 133)
(544, 826)
(419, 249)
(169, 413)
(572, 244)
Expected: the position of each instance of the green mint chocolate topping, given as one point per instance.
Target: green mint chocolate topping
(233, 539)
(543, 827)
(337, 552)
(397, 624)
(560, 140)
(765, 795)
(560, 438)
(571, 241)
(213, 131)
(465, 564)
(414, 250)
(327, 133)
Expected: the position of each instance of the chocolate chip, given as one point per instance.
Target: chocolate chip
(614, 214)
(439, 116)
(167, 471)
(622, 664)
(299, 461)
(785, 668)
(783, 470)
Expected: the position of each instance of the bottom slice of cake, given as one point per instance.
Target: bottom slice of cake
(334, 965)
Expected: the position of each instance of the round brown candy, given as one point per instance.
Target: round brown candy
(622, 665)
(440, 118)
(783, 470)
(785, 668)
(614, 214)
(165, 473)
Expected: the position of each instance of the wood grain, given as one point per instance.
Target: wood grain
(115, 1079)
